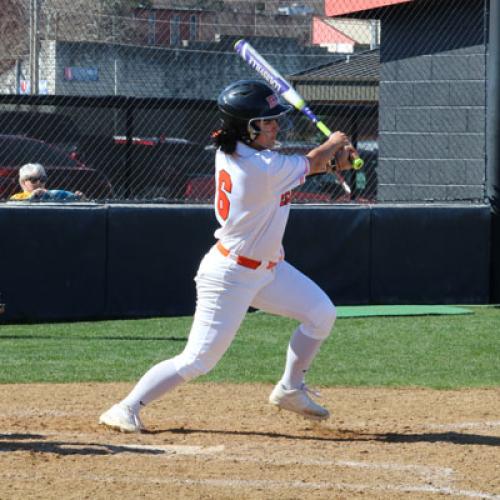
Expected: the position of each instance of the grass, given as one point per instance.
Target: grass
(429, 351)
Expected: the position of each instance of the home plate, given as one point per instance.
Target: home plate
(176, 449)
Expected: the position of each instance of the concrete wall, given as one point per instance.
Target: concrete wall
(432, 102)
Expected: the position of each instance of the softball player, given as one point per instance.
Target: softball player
(246, 266)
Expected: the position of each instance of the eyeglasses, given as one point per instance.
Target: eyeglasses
(36, 179)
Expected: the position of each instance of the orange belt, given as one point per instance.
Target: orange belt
(243, 261)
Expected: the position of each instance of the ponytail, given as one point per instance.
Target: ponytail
(225, 140)
(226, 137)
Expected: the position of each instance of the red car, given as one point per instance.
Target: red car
(64, 169)
(160, 166)
(317, 189)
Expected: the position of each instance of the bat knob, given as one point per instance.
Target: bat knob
(357, 163)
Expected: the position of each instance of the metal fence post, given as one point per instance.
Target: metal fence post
(493, 144)
(34, 48)
(493, 109)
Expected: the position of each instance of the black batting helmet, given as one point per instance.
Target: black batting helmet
(250, 99)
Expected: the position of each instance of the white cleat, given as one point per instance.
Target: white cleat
(298, 401)
(122, 418)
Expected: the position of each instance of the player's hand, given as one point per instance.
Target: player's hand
(344, 157)
(321, 156)
(338, 140)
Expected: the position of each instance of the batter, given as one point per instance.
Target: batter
(246, 266)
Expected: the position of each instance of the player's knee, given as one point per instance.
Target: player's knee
(192, 366)
(326, 319)
(322, 319)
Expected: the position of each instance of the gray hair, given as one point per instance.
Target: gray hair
(31, 169)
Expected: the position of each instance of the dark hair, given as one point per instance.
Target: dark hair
(230, 132)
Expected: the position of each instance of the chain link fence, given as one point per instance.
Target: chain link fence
(118, 98)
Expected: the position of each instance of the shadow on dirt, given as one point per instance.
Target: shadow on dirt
(35, 443)
(19, 437)
(17, 442)
(442, 437)
(344, 435)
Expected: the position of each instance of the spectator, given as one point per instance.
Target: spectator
(32, 179)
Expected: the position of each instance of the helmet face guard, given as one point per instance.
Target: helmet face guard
(285, 124)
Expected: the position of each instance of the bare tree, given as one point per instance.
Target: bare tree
(91, 20)
(14, 27)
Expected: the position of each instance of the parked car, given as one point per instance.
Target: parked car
(158, 167)
(363, 183)
(317, 189)
(64, 169)
(201, 189)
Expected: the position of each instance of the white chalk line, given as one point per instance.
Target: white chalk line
(48, 413)
(302, 485)
(426, 472)
(430, 474)
(442, 472)
(245, 484)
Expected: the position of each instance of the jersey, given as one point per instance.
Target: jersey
(25, 195)
(252, 199)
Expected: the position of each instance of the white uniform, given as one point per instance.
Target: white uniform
(252, 205)
(245, 268)
(258, 199)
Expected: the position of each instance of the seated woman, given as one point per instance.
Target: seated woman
(32, 179)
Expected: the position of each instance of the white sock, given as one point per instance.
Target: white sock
(159, 379)
(301, 352)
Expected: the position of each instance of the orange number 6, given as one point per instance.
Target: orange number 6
(224, 186)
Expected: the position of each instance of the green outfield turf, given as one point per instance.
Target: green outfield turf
(403, 310)
(441, 351)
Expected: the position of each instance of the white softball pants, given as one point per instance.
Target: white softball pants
(225, 291)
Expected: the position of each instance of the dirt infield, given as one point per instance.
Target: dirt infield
(216, 441)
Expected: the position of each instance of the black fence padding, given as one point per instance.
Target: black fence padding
(495, 259)
(332, 247)
(153, 256)
(53, 262)
(429, 255)
(79, 262)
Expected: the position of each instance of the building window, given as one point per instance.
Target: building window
(193, 25)
(175, 30)
(151, 27)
